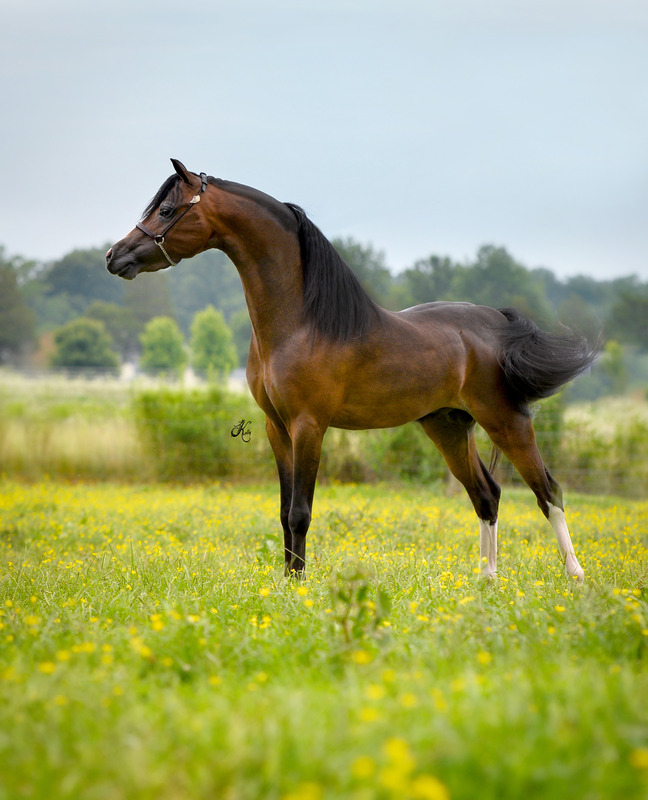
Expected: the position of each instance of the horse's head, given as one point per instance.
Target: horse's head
(173, 227)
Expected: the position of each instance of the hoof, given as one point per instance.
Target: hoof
(488, 575)
(295, 574)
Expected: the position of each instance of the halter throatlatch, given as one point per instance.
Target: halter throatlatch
(158, 238)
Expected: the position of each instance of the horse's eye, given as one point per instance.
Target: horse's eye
(166, 211)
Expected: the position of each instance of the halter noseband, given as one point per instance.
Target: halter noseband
(158, 238)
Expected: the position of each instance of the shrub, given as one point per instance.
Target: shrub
(162, 346)
(188, 434)
(84, 343)
(404, 453)
(212, 344)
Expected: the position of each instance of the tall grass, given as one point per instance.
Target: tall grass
(151, 649)
(104, 429)
(77, 429)
(605, 446)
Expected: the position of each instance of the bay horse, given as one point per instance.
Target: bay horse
(323, 354)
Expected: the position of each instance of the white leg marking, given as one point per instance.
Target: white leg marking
(488, 548)
(572, 568)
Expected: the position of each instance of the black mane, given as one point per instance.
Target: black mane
(163, 192)
(334, 301)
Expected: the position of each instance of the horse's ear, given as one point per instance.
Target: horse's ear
(180, 168)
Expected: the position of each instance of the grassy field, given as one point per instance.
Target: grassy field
(150, 648)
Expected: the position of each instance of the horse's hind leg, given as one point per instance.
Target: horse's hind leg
(452, 431)
(512, 432)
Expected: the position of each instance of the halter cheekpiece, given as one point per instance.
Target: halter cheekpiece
(158, 238)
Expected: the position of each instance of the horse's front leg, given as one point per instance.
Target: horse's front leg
(306, 435)
(282, 449)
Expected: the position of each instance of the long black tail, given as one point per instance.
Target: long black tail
(536, 364)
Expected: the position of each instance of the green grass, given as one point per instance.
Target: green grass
(150, 648)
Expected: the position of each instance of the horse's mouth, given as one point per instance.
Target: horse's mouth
(127, 271)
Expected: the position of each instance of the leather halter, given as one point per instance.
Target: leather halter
(158, 238)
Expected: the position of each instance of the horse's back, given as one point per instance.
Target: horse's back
(441, 319)
(451, 311)
(435, 304)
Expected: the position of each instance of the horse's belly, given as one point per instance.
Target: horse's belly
(389, 406)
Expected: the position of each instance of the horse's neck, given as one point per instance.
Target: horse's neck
(269, 263)
(274, 304)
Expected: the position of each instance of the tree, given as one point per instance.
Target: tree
(148, 297)
(628, 320)
(162, 346)
(497, 280)
(120, 323)
(209, 278)
(613, 366)
(369, 267)
(16, 319)
(428, 280)
(84, 343)
(212, 343)
(242, 329)
(574, 312)
(62, 292)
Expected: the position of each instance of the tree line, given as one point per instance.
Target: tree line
(38, 299)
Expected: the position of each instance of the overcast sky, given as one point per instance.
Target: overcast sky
(419, 126)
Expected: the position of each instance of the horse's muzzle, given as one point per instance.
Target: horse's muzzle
(124, 268)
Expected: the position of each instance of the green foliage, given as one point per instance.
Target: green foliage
(576, 314)
(428, 280)
(148, 297)
(629, 318)
(120, 323)
(84, 343)
(212, 344)
(494, 279)
(162, 346)
(614, 367)
(370, 268)
(497, 280)
(209, 278)
(16, 318)
(548, 424)
(603, 447)
(87, 429)
(82, 276)
(63, 290)
(404, 453)
(241, 326)
(188, 434)
(359, 609)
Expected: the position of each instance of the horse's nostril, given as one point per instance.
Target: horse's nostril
(109, 254)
